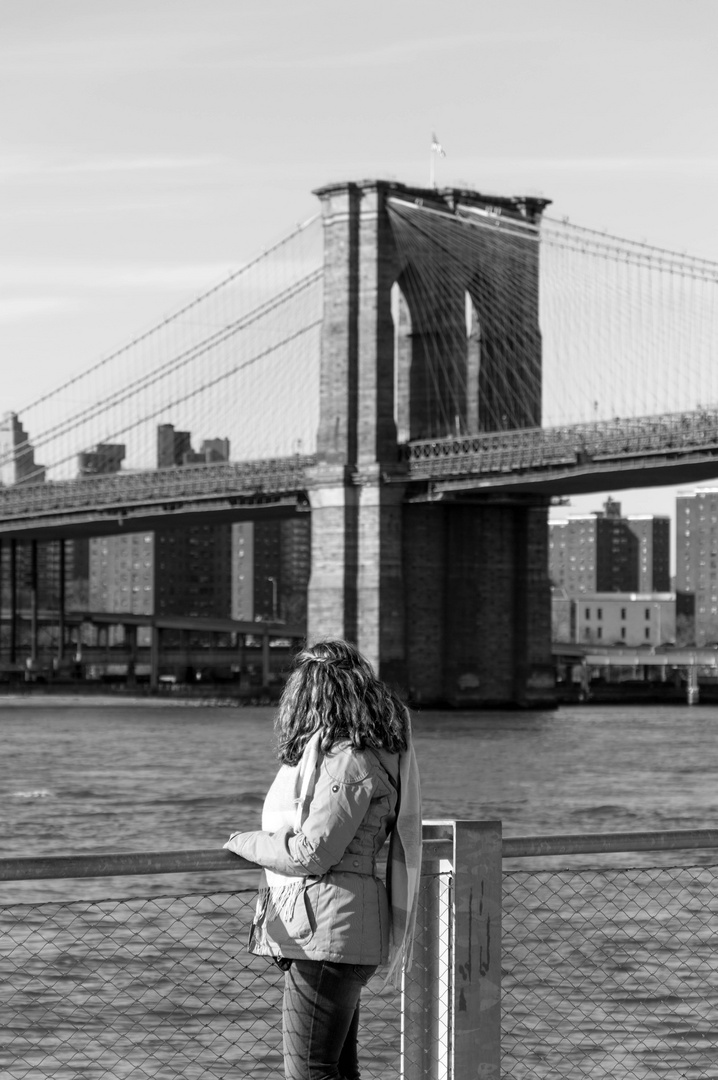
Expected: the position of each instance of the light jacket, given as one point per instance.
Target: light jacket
(338, 910)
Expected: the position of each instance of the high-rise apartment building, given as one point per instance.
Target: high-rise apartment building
(605, 552)
(121, 573)
(105, 458)
(250, 570)
(697, 558)
(270, 569)
(175, 448)
(17, 456)
(184, 570)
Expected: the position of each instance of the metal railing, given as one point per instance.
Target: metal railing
(226, 479)
(563, 447)
(604, 972)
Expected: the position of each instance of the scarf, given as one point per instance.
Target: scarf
(278, 892)
(404, 868)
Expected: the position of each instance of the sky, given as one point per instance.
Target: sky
(149, 147)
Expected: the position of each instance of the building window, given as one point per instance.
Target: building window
(648, 613)
(623, 632)
(623, 613)
(599, 633)
(647, 633)
(588, 613)
(599, 613)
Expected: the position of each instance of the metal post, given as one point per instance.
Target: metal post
(154, 658)
(13, 600)
(241, 642)
(33, 604)
(477, 950)
(61, 607)
(265, 657)
(693, 695)
(426, 1027)
(131, 645)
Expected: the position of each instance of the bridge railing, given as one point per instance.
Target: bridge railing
(484, 454)
(227, 478)
(540, 448)
(519, 970)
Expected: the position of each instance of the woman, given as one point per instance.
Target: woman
(347, 781)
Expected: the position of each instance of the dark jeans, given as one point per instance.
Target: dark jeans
(321, 1019)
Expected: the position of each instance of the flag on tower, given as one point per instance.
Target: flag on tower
(436, 146)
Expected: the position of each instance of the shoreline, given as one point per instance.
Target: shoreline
(131, 701)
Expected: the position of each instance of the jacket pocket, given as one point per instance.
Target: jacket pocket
(292, 923)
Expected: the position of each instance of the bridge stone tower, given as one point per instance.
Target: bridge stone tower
(449, 599)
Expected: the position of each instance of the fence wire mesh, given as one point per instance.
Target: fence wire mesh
(610, 973)
(161, 987)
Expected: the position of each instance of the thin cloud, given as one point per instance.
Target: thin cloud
(18, 167)
(608, 164)
(22, 308)
(100, 55)
(404, 51)
(92, 278)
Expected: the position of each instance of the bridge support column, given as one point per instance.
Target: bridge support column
(331, 603)
(356, 588)
(449, 601)
(380, 577)
(477, 603)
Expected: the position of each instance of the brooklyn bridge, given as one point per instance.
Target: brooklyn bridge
(419, 372)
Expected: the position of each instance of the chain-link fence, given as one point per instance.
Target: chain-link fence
(603, 973)
(610, 973)
(164, 987)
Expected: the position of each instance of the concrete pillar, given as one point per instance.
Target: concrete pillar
(380, 578)
(332, 601)
(478, 613)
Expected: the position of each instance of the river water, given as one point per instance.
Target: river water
(87, 776)
(611, 973)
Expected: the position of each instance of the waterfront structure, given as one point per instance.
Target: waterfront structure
(614, 618)
(697, 559)
(605, 552)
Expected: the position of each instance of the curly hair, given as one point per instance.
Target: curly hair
(333, 688)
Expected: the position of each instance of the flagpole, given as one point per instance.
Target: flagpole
(436, 150)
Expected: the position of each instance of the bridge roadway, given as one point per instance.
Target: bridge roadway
(673, 448)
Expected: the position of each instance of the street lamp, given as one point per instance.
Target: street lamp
(274, 598)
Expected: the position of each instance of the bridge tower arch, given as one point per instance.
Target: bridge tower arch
(450, 600)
